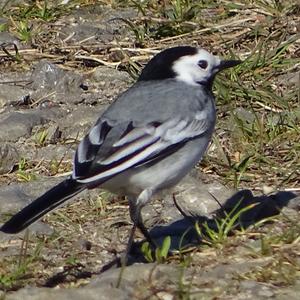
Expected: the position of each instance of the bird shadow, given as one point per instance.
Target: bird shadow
(243, 209)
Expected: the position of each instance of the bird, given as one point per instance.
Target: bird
(146, 141)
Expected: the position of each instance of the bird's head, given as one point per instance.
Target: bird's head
(188, 64)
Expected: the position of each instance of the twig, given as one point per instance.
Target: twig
(101, 61)
(41, 98)
(266, 107)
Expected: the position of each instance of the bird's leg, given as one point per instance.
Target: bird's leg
(140, 225)
(124, 258)
(135, 207)
(136, 217)
(135, 213)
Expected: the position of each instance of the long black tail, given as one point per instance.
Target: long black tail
(39, 207)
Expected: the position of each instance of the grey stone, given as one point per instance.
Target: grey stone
(132, 276)
(248, 284)
(95, 293)
(294, 203)
(2, 20)
(95, 24)
(244, 115)
(9, 93)
(17, 195)
(257, 290)
(265, 293)
(53, 134)
(9, 156)
(291, 79)
(196, 198)
(53, 83)
(38, 187)
(9, 39)
(13, 88)
(228, 270)
(16, 124)
(290, 293)
(38, 228)
(12, 198)
(54, 152)
(46, 75)
(84, 117)
(106, 74)
(239, 120)
(290, 213)
(113, 18)
(90, 32)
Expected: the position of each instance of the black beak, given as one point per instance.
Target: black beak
(225, 64)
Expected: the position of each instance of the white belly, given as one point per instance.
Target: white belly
(164, 174)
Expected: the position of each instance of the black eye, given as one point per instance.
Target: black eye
(202, 64)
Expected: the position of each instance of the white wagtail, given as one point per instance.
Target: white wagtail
(147, 140)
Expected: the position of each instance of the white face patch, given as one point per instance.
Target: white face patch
(188, 70)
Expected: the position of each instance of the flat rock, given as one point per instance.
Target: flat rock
(84, 117)
(9, 157)
(12, 198)
(96, 24)
(51, 82)
(9, 39)
(294, 203)
(17, 195)
(95, 293)
(110, 75)
(9, 94)
(195, 198)
(291, 79)
(16, 124)
(137, 275)
(291, 293)
(38, 228)
(54, 152)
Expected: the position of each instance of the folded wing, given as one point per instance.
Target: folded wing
(111, 149)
